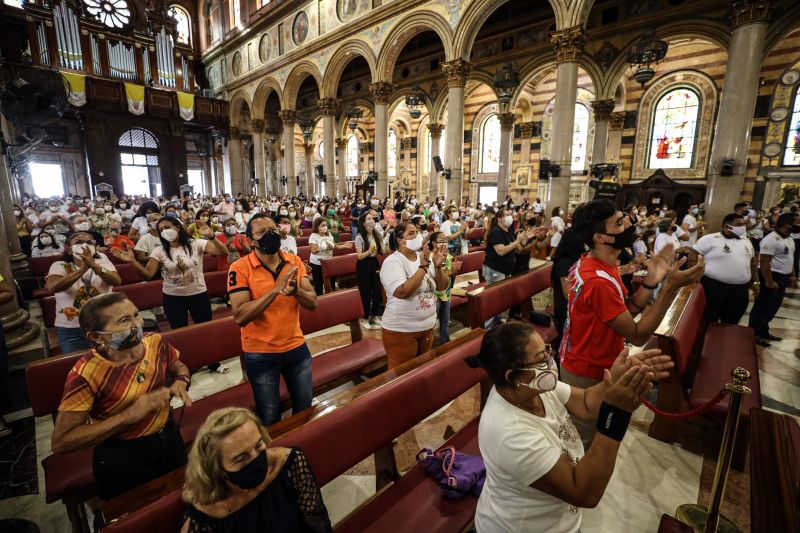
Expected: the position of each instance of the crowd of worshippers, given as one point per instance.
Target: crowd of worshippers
(552, 426)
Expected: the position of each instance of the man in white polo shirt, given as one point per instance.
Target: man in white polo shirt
(776, 272)
(730, 270)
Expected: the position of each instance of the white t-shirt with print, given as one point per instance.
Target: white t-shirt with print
(413, 314)
(325, 244)
(140, 225)
(183, 274)
(518, 448)
(147, 243)
(782, 251)
(289, 245)
(70, 301)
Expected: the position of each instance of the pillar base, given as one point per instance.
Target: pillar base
(18, 328)
(19, 262)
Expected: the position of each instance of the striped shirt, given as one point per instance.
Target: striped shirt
(103, 389)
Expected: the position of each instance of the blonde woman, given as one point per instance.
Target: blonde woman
(236, 482)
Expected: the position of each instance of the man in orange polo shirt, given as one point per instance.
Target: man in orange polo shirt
(266, 289)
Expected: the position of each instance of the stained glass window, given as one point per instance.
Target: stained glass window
(580, 138)
(392, 168)
(184, 24)
(490, 145)
(352, 157)
(112, 13)
(791, 156)
(674, 127)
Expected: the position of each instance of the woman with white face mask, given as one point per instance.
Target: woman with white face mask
(410, 276)
(83, 274)
(180, 260)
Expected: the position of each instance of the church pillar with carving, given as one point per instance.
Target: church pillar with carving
(457, 73)
(602, 115)
(436, 150)
(312, 182)
(749, 19)
(288, 118)
(259, 163)
(232, 161)
(568, 47)
(506, 145)
(525, 134)
(381, 94)
(616, 124)
(327, 107)
(341, 153)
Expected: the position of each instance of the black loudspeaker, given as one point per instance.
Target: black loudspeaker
(727, 168)
(544, 169)
(437, 163)
(319, 170)
(555, 170)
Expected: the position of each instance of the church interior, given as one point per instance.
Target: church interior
(481, 106)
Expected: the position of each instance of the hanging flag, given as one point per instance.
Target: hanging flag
(186, 105)
(77, 88)
(135, 95)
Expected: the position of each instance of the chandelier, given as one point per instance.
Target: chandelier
(645, 55)
(307, 127)
(505, 83)
(353, 114)
(414, 101)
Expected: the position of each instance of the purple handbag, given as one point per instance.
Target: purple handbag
(456, 472)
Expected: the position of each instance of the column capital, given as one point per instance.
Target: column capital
(616, 121)
(288, 116)
(381, 91)
(341, 143)
(526, 130)
(457, 72)
(506, 120)
(308, 149)
(749, 11)
(234, 133)
(406, 143)
(568, 43)
(257, 125)
(603, 109)
(436, 130)
(327, 106)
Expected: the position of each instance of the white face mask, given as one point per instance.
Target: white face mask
(454, 215)
(544, 380)
(508, 220)
(414, 244)
(374, 202)
(53, 208)
(230, 230)
(739, 231)
(77, 249)
(169, 234)
(47, 241)
(82, 226)
(100, 211)
(17, 212)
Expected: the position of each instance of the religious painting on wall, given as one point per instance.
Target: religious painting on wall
(236, 65)
(523, 176)
(673, 132)
(347, 8)
(300, 28)
(264, 48)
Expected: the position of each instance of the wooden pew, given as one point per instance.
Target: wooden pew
(440, 371)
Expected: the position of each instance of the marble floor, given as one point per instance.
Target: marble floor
(650, 477)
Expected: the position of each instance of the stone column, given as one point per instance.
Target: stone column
(328, 108)
(405, 148)
(15, 319)
(614, 144)
(568, 46)
(288, 118)
(381, 93)
(602, 115)
(433, 176)
(457, 72)
(525, 134)
(259, 163)
(341, 180)
(232, 161)
(749, 20)
(311, 178)
(506, 145)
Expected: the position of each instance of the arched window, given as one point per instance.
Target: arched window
(791, 156)
(321, 149)
(138, 154)
(672, 134)
(352, 157)
(236, 13)
(490, 145)
(184, 23)
(580, 138)
(392, 167)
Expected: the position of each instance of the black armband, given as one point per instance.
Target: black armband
(613, 421)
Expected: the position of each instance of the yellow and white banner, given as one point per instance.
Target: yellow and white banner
(77, 88)
(135, 95)
(186, 105)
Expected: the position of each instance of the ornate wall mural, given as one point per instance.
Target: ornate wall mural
(300, 28)
(265, 48)
(781, 116)
(237, 64)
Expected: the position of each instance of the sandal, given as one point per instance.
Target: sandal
(222, 369)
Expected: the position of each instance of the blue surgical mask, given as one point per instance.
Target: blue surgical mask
(695, 210)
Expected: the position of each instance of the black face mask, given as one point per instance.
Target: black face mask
(252, 474)
(622, 240)
(270, 243)
(796, 229)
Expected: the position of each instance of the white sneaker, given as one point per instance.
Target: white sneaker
(376, 322)
(364, 324)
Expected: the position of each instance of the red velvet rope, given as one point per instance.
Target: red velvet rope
(694, 412)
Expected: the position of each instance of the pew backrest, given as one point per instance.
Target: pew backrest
(683, 324)
(342, 265)
(334, 308)
(472, 262)
(491, 300)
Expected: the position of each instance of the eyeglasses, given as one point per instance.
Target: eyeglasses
(548, 351)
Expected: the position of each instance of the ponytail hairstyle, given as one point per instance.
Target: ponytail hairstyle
(399, 231)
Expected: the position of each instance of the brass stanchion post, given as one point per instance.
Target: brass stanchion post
(709, 520)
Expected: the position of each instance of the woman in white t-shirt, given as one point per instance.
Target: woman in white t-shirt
(180, 260)
(557, 222)
(322, 245)
(409, 277)
(82, 274)
(139, 225)
(537, 474)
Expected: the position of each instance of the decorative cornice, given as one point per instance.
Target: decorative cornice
(506, 120)
(328, 106)
(749, 11)
(341, 143)
(436, 130)
(526, 130)
(257, 125)
(381, 91)
(616, 121)
(603, 109)
(457, 72)
(288, 117)
(568, 43)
